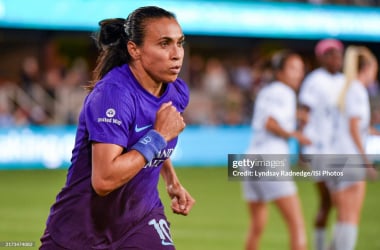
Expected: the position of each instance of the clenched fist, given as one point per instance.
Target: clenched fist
(169, 122)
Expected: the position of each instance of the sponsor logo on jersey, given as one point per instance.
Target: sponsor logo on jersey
(110, 114)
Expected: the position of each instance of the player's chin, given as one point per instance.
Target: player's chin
(170, 76)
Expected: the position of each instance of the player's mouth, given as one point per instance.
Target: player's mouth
(175, 69)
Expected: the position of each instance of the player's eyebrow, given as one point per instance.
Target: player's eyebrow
(168, 38)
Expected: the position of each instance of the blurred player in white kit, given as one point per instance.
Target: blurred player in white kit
(352, 128)
(318, 95)
(274, 122)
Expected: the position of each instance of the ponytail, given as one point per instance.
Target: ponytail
(111, 41)
(350, 70)
(355, 59)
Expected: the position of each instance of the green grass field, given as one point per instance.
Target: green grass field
(218, 220)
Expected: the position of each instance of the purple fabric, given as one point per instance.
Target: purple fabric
(117, 111)
(153, 233)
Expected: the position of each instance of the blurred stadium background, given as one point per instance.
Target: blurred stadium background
(47, 54)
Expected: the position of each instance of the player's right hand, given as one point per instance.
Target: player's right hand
(371, 173)
(303, 140)
(169, 122)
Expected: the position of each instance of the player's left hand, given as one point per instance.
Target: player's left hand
(372, 173)
(182, 201)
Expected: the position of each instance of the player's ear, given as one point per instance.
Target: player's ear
(133, 50)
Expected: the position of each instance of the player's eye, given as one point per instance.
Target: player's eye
(181, 43)
(164, 44)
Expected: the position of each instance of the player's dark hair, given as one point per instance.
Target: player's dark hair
(114, 34)
(279, 59)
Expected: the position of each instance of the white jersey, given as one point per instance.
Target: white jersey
(356, 105)
(320, 91)
(278, 101)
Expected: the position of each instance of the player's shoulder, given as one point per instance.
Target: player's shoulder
(109, 90)
(315, 75)
(316, 81)
(269, 90)
(280, 88)
(339, 79)
(276, 92)
(356, 88)
(357, 85)
(182, 93)
(265, 91)
(114, 86)
(118, 80)
(181, 86)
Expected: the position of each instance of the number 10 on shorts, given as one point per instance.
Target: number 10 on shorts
(163, 231)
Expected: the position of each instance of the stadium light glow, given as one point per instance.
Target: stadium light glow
(205, 17)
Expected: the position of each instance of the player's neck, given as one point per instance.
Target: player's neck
(153, 87)
(331, 70)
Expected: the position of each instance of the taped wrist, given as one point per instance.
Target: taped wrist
(150, 144)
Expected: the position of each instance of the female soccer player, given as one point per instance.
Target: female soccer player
(317, 96)
(274, 122)
(127, 131)
(360, 69)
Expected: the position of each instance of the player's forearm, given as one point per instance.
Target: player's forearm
(273, 127)
(108, 176)
(168, 173)
(373, 130)
(302, 116)
(112, 169)
(356, 137)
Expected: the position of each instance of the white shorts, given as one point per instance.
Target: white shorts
(335, 186)
(351, 171)
(267, 190)
(317, 163)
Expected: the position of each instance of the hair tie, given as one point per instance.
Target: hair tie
(114, 43)
(126, 26)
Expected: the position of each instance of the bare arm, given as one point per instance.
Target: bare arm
(303, 113)
(355, 134)
(275, 128)
(272, 126)
(356, 137)
(112, 169)
(168, 174)
(182, 201)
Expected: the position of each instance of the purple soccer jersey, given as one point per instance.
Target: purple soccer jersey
(118, 111)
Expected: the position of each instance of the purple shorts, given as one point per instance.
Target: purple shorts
(48, 243)
(152, 233)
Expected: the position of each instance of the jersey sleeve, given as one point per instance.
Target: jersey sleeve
(308, 94)
(273, 103)
(278, 104)
(354, 102)
(108, 115)
(183, 96)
